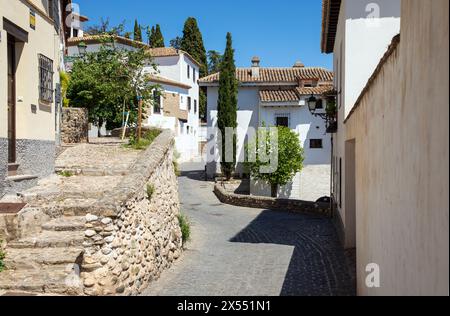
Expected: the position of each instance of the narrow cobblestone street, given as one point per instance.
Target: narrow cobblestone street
(246, 252)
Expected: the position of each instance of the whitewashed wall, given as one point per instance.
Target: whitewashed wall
(401, 149)
(314, 181)
(360, 43)
(248, 100)
(174, 68)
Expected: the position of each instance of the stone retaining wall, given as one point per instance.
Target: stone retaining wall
(74, 126)
(295, 206)
(131, 237)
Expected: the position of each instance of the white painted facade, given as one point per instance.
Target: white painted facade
(314, 180)
(360, 43)
(175, 68)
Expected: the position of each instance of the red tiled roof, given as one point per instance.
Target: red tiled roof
(154, 52)
(293, 94)
(319, 90)
(276, 75)
(278, 95)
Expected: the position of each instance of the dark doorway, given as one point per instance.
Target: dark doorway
(11, 99)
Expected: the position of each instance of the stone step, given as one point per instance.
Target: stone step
(63, 279)
(66, 207)
(26, 259)
(50, 239)
(66, 224)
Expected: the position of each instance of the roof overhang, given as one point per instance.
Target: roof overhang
(168, 82)
(281, 104)
(330, 18)
(252, 84)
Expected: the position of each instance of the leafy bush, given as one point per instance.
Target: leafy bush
(150, 191)
(2, 257)
(185, 227)
(331, 108)
(145, 141)
(176, 168)
(65, 173)
(290, 158)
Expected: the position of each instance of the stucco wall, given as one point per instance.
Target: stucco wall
(401, 134)
(360, 43)
(35, 121)
(314, 181)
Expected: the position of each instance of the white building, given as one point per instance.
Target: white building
(32, 41)
(277, 96)
(391, 178)
(358, 41)
(177, 74)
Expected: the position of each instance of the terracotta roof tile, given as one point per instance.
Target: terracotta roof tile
(278, 95)
(292, 94)
(319, 90)
(155, 52)
(276, 75)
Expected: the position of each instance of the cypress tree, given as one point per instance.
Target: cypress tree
(137, 31)
(192, 43)
(227, 106)
(158, 40)
(151, 35)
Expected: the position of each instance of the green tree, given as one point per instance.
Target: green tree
(64, 79)
(227, 106)
(192, 43)
(214, 60)
(158, 39)
(137, 31)
(176, 42)
(105, 28)
(290, 157)
(104, 81)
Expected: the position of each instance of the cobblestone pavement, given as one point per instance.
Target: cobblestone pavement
(251, 252)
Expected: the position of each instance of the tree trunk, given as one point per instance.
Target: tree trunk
(99, 131)
(274, 190)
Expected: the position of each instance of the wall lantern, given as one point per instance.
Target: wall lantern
(82, 48)
(327, 115)
(312, 102)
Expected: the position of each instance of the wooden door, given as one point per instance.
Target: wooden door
(11, 100)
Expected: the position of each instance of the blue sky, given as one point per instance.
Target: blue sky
(279, 32)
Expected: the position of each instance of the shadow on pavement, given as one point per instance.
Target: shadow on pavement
(318, 265)
(198, 175)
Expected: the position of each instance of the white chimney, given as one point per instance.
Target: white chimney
(255, 67)
(299, 64)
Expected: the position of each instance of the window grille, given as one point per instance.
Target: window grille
(45, 79)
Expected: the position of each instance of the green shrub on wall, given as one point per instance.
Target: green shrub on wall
(185, 228)
(2, 257)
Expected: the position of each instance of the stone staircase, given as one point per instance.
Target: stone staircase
(47, 260)
(47, 263)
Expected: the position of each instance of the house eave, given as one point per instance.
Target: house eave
(253, 84)
(330, 18)
(280, 104)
